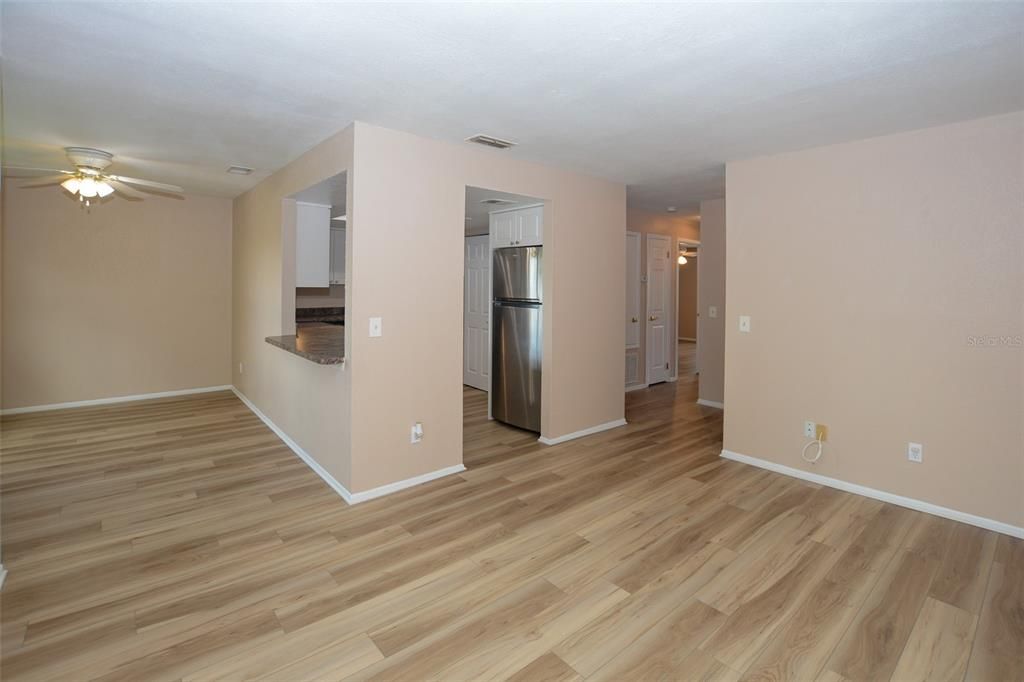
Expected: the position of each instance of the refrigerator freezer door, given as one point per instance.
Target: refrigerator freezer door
(516, 364)
(517, 274)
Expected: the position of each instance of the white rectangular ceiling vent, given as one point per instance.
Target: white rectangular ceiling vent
(239, 170)
(489, 141)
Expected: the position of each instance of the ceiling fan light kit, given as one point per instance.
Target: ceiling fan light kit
(89, 181)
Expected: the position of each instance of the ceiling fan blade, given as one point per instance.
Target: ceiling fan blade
(28, 172)
(42, 182)
(128, 192)
(149, 183)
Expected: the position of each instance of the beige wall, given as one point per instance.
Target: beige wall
(309, 402)
(712, 292)
(646, 222)
(127, 298)
(687, 299)
(414, 371)
(677, 227)
(883, 353)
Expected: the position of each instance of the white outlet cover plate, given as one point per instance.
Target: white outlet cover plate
(810, 429)
(915, 452)
(744, 323)
(712, 311)
(375, 326)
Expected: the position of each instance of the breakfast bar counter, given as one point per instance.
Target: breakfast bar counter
(323, 344)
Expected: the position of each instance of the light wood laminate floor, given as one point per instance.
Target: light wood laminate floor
(180, 539)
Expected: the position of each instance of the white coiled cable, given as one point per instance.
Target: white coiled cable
(817, 456)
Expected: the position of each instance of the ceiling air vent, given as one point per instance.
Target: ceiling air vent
(489, 141)
(494, 201)
(239, 170)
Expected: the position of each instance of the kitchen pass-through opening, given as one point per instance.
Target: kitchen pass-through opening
(503, 313)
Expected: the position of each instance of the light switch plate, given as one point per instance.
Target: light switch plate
(745, 323)
(375, 326)
(712, 311)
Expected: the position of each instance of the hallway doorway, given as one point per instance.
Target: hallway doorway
(687, 309)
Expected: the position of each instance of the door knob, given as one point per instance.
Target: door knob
(653, 318)
(635, 320)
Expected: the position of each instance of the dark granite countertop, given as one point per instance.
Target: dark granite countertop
(323, 344)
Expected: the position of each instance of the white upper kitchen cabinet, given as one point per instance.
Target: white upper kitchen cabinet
(312, 245)
(503, 229)
(517, 227)
(531, 226)
(337, 255)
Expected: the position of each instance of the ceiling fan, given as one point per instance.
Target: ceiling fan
(90, 180)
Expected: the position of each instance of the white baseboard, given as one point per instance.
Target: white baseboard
(111, 401)
(585, 432)
(635, 387)
(710, 403)
(335, 484)
(908, 502)
(389, 488)
(297, 449)
(3, 576)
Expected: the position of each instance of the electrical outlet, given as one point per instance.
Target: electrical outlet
(915, 452)
(745, 323)
(712, 311)
(376, 326)
(416, 433)
(809, 429)
(821, 433)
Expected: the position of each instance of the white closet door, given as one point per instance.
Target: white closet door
(633, 367)
(633, 307)
(659, 308)
(476, 355)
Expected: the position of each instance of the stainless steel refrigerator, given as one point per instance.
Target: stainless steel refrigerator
(518, 336)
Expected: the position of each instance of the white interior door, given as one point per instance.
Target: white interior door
(634, 309)
(476, 352)
(660, 300)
